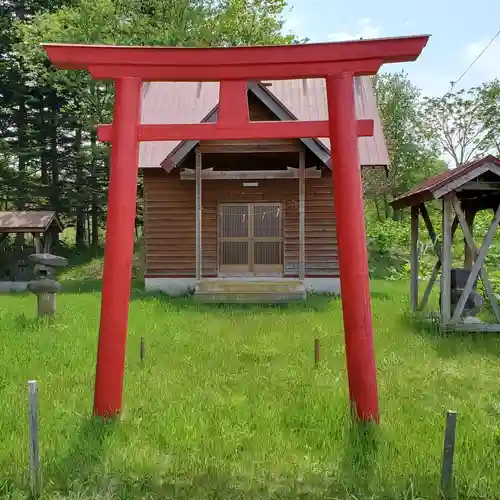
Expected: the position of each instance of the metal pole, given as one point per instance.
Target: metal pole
(35, 476)
(143, 349)
(448, 453)
(316, 352)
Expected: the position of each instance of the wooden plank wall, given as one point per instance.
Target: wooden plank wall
(170, 223)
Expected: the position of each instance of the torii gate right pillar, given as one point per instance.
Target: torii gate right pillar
(353, 258)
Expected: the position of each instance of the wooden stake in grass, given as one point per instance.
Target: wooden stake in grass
(448, 452)
(35, 478)
(316, 352)
(143, 349)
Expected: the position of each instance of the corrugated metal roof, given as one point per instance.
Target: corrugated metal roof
(192, 102)
(12, 222)
(424, 191)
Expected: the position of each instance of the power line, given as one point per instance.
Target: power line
(472, 64)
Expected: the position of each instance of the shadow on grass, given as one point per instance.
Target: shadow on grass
(86, 285)
(24, 323)
(450, 344)
(360, 456)
(315, 302)
(84, 459)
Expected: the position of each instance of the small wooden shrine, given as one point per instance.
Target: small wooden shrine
(463, 192)
(14, 266)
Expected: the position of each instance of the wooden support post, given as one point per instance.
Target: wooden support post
(143, 349)
(316, 352)
(47, 242)
(198, 216)
(414, 267)
(446, 260)
(38, 242)
(302, 215)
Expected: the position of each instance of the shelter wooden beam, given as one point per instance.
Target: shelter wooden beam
(469, 216)
(209, 174)
(435, 272)
(480, 186)
(430, 229)
(473, 251)
(476, 268)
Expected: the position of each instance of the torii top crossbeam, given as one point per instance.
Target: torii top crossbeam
(338, 63)
(362, 57)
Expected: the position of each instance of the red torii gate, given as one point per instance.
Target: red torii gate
(338, 63)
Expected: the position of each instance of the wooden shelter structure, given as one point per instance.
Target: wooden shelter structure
(463, 192)
(40, 224)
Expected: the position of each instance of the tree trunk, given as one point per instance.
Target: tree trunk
(44, 174)
(80, 209)
(22, 146)
(95, 199)
(54, 162)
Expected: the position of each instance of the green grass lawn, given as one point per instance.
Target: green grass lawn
(228, 404)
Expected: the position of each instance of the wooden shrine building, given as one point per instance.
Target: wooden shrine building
(247, 220)
(462, 193)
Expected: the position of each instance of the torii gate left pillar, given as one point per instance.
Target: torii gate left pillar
(338, 63)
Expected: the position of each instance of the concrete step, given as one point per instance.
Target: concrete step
(237, 291)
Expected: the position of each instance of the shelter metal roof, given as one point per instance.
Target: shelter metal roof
(27, 221)
(445, 182)
(195, 102)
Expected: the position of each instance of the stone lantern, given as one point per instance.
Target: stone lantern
(44, 286)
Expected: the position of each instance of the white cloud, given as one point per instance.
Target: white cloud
(365, 30)
(488, 64)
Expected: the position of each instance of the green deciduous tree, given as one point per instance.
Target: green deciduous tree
(412, 157)
(489, 98)
(456, 122)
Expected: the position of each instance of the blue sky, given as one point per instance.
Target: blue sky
(460, 30)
